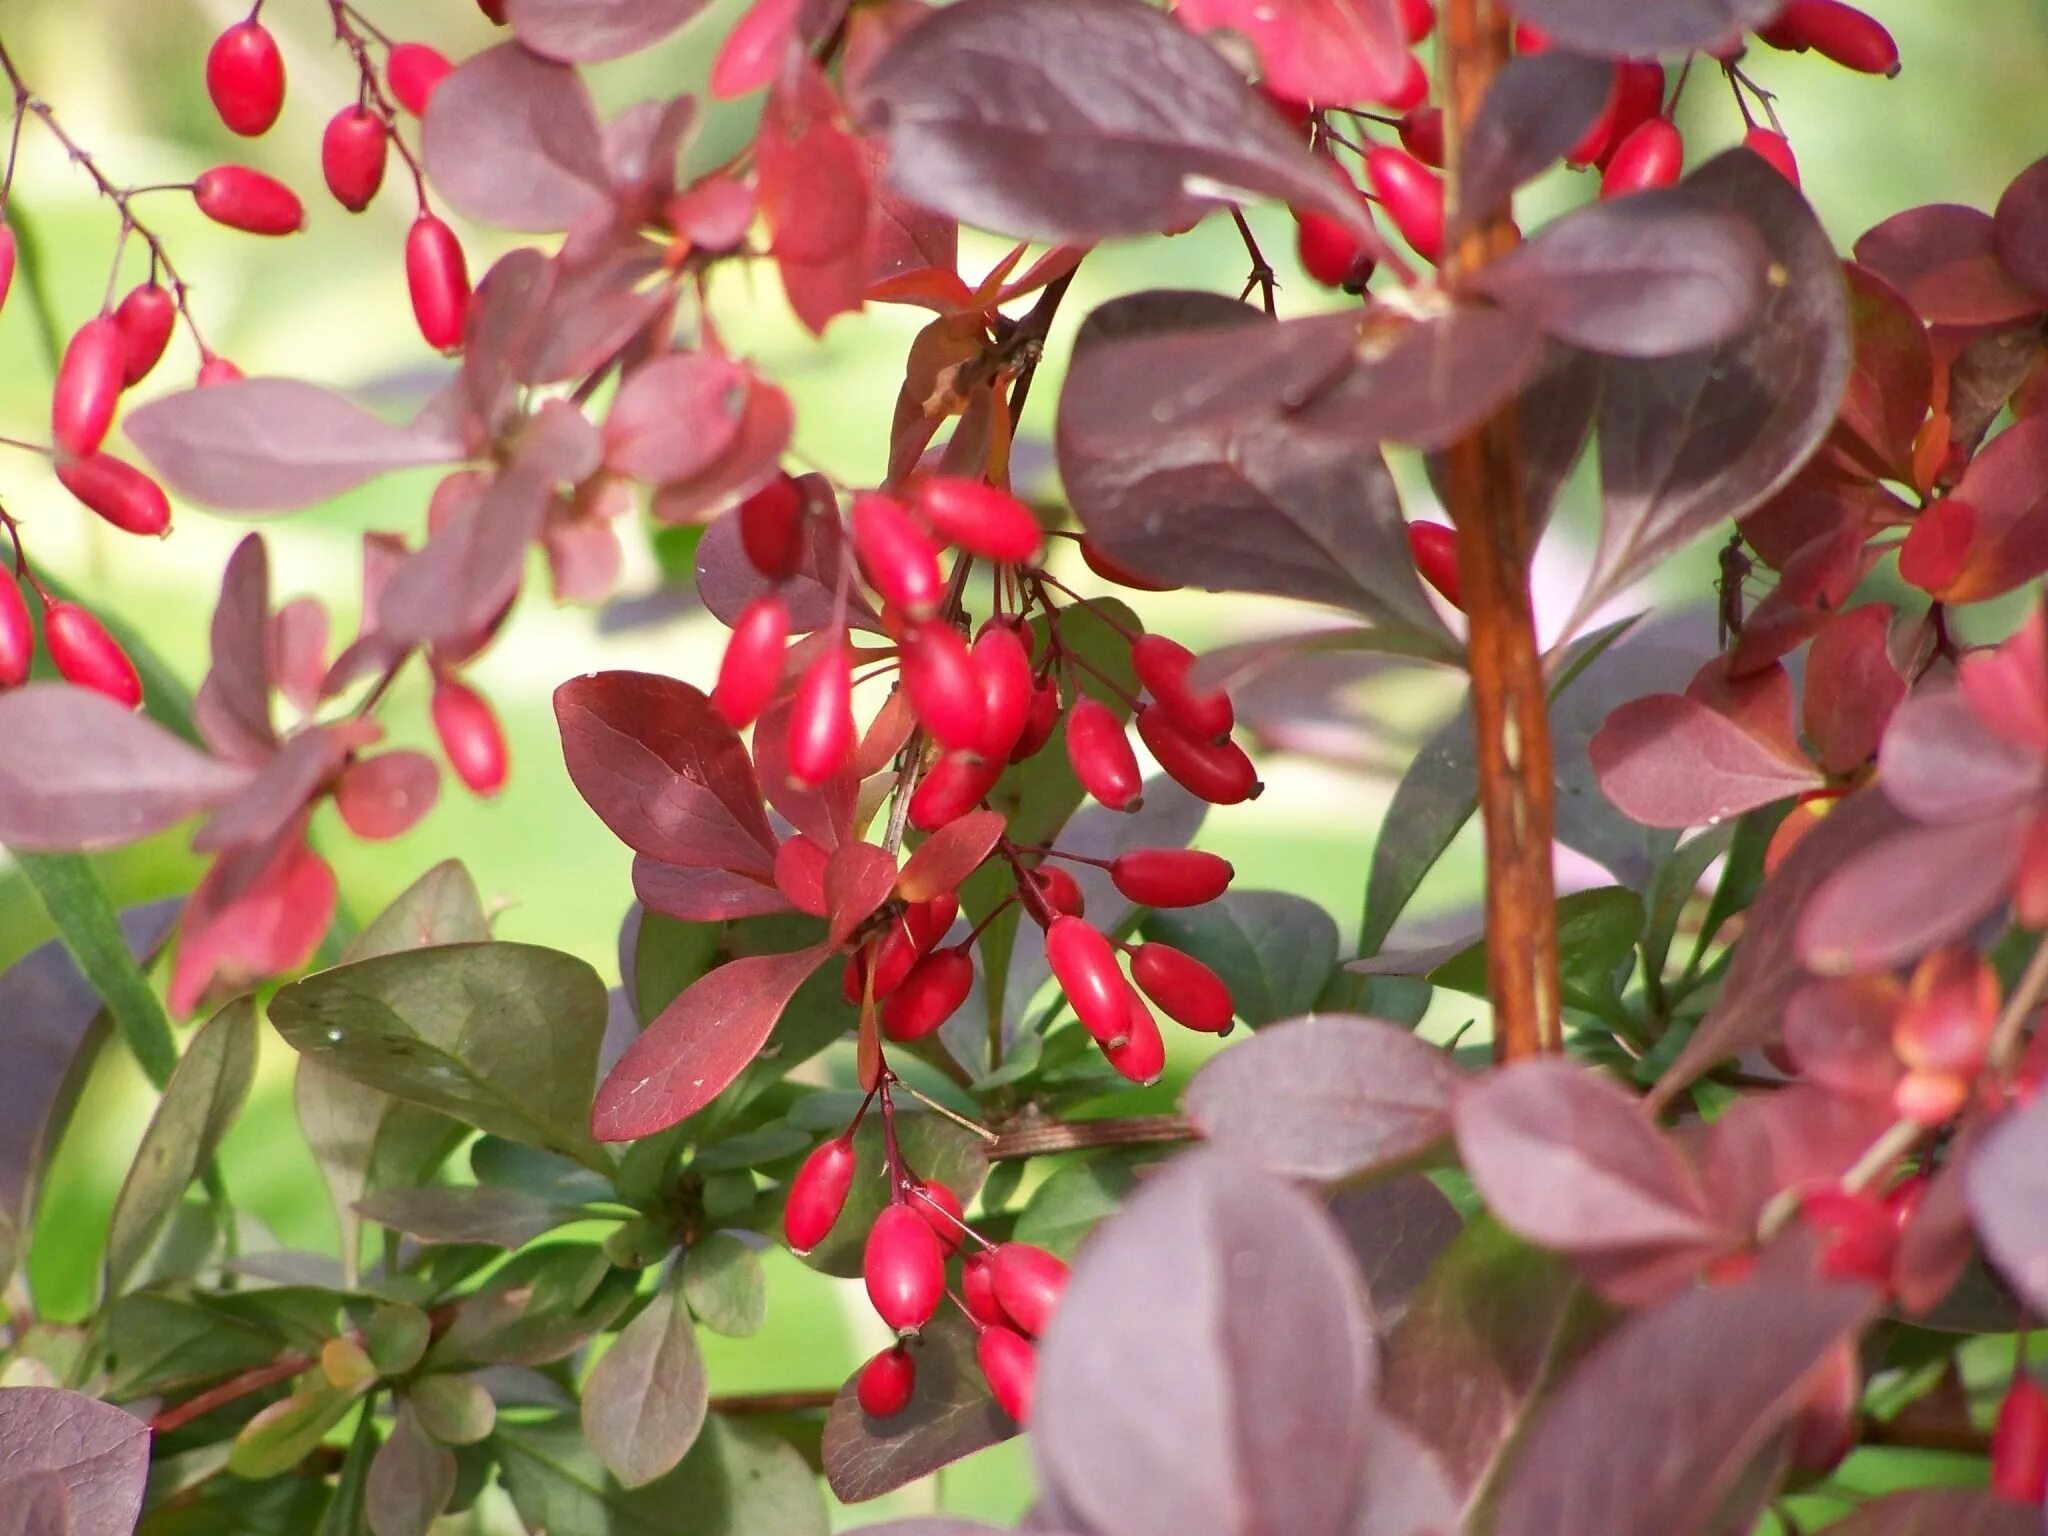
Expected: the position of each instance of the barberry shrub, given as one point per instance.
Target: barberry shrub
(1738, 1190)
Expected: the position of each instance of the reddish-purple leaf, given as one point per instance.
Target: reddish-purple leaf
(750, 460)
(950, 855)
(298, 651)
(858, 879)
(1942, 763)
(512, 139)
(1795, 1137)
(1670, 761)
(702, 895)
(1940, 259)
(94, 1455)
(594, 306)
(1315, 50)
(664, 771)
(2019, 229)
(1688, 442)
(2006, 486)
(1429, 383)
(77, 771)
(274, 445)
(825, 813)
(1615, 27)
(282, 787)
(902, 237)
(1851, 688)
(727, 580)
(1900, 897)
(950, 1415)
(1074, 120)
(1537, 108)
(260, 912)
(1939, 1512)
(232, 709)
(1326, 1097)
(814, 196)
(1838, 1033)
(698, 1044)
(1567, 1158)
(1223, 1292)
(386, 795)
(2007, 1190)
(641, 145)
(1643, 276)
(1676, 1400)
(471, 568)
(1396, 1229)
(674, 416)
(581, 30)
(1892, 381)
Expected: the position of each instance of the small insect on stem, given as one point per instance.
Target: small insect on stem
(1735, 569)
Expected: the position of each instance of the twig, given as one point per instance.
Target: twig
(744, 1403)
(1081, 1135)
(2026, 996)
(1262, 271)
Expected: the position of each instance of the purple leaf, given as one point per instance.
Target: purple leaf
(1676, 1400)
(858, 879)
(1395, 1228)
(2019, 230)
(641, 145)
(595, 306)
(232, 709)
(644, 1404)
(1939, 1512)
(1941, 763)
(77, 772)
(274, 445)
(470, 1213)
(2006, 1186)
(1327, 1097)
(1073, 120)
(1688, 442)
(93, 1454)
(951, 1415)
(674, 416)
(1567, 1158)
(664, 772)
(1227, 1294)
(1615, 27)
(1670, 761)
(280, 790)
(411, 1481)
(471, 568)
(699, 1044)
(1852, 690)
(750, 460)
(386, 795)
(512, 139)
(702, 895)
(581, 30)
(1893, 380)
(1941, 259)
(1429, 383)
(1898, 898)
(1643, 276)
(1537, 108)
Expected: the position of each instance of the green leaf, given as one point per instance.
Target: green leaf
(1672, 886)
(1273, 950)
(668, 954)
(347, 1515)
(441, 907)
(159, 1343)
(411, 1480)
(738, 1480)
(284, 1433)
(453, 1409)
(537, 1307)
(200, 1102)
(501, 1036)
(1596, 936)
(1743, 875)
(644, 1404)
(465, 1213)
(396, 1337)
(77, 902)
(940, 1151)
(1067, 1206)
(725, 1286)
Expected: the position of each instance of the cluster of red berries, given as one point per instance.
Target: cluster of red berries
(245, 78)
(1006, 1291)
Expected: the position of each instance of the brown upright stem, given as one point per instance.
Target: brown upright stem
(1483, 484)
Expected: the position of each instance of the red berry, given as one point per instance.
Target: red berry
(2019, 1444)
(1422, 135)
(951, 787)
(944, 687)
(1085, 967)
(1004, 667)
(1114, 571)
(471, 736)
(1040, 721)
(818, 1194)
(905, 1269)
(1412, 195)
(1840, 32)
(217, 370)
(352, 155)
(8, 255)
(17, 638)
(1171, 877)
(245, 78)
(752, 668)
(88, 385)
(942, 1212)
(931, 994)
(248, 200)
(438, 279)
(895, 556)
(1186, 990)
(980, 519)
(1162, 666)
(1418, 20)
(1142, 1056)
(1010, 1367)
(145, 317)
(1638, 97)
(1410, 90)
(494, 11)
(119, 492)
(1434, 548)
(894, 956)
(87, 655)
(821, 718)
(1222, 775)
(1777, 152)
(1600, 133)
(413, 72)
(1858, 1234)
(772, 528)
(1651, 156)
(886, 1383)
(1530, 38)
(1028, 1285)
(978, 1290)
(1101, 754)
(927, 922)
(754, 49)
(1331, 251)
(1059, 891)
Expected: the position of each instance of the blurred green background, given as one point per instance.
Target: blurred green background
(1970, 109)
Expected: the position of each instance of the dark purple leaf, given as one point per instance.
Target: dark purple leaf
(2019, 230)
(1429, 383)
(412, 1478)
(1227, 1294)
(274, 445)
(511, 139)
(1567, 1158)
(1395, 1228)
(1986, 374)
(1644, 276)
(951, 1415)
(1939, 1512)
(1616, 27)
(434, 1213)
(1940, 258)
(1670, 761)
(1676, 1400)
(2006, 1186)
(858, 879)
(667, 775)
(94, 1455)
(674, 416)
(1796, 1136)
(1326, 1097)
(232, 709)
(281, 789)
(1688, 442)
(699, 1044)
(581, 30)
(1899, 897)
(702, 895)
(1537, 108)
(77, 771)
(471, 568)
(1072, 120)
